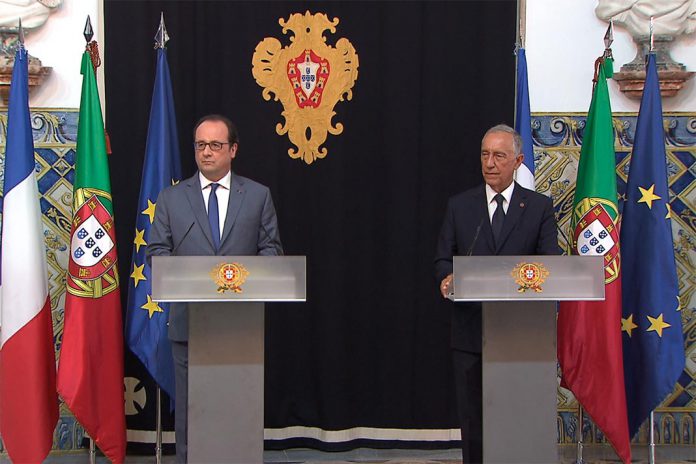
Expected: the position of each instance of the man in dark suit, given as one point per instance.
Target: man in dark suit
(215, 212)
(497, 218)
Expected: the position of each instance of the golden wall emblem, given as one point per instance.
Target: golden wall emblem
(229, 276)
(530, 276)
(308, 77)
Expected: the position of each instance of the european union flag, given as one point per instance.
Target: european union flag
(523, 123)
(653, 340)
(146, 320)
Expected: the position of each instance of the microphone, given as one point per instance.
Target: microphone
(450, 294)
(267, 235)
(476, 235)
(176, 247)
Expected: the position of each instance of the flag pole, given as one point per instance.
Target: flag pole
(158, 439)
(161, 38)
(92, 452)
(578, 456)
(651, 447)
(88, 33)
(519, 42)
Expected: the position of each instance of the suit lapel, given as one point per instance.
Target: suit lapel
(518, 202)
(237, 194)
(195, 198)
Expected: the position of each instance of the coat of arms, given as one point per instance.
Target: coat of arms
(530, 276)
(596, 234)
(92, 266)
(308, 77)
(229, 277)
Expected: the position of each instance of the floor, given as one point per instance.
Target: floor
(594, 454)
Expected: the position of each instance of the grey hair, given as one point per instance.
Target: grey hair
(516, 138)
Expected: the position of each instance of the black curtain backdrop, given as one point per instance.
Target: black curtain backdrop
(370, 347)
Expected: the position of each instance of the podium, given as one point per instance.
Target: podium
(519, 344)
(226, 344)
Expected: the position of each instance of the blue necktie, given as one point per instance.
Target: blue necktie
(214, 216)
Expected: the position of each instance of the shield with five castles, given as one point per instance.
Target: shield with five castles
(308, 74)
(596, 234)
(92, 247)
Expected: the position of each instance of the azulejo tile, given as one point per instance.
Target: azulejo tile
(557, 137)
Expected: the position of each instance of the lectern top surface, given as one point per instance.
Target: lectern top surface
(521, 278)
(228, 278)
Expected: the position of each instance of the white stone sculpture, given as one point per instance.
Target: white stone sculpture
(34, 13)
(671, 17)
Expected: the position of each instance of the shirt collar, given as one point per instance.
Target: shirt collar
(507, 193)
(224, 182)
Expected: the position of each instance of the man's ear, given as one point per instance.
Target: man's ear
(520, 158)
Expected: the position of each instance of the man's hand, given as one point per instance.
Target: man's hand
(445, 285)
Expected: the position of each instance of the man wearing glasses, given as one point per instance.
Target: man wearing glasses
(215, 212)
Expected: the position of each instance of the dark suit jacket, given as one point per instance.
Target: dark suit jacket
(181, 228)
(529, 229)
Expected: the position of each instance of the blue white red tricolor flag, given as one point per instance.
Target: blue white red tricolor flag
(523, 123)
(28, 398)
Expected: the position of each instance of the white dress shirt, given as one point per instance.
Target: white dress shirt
(222, 193)
(492, 204)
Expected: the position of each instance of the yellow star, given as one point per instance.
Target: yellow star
(137, 274)
(669, 211)
(648, 195)
(139, 240)
(151, 307)
(657, 324)
(150, 210)
(627, 325)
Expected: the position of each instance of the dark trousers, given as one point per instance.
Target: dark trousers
(467, 377)
(180, 355)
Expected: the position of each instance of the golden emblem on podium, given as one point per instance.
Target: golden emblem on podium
(309, 77)
(229, 276)
(530, 276)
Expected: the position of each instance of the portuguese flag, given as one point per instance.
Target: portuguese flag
(589, 332)
(90, 372)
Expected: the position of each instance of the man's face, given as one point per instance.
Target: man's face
(214, 164)
(498, 160)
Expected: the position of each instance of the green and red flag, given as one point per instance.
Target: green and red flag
(589, 332)
(90, 372)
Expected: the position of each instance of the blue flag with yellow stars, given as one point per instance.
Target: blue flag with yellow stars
(653, 340)
(146, 320)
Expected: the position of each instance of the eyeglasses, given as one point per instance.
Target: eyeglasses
(214, 146)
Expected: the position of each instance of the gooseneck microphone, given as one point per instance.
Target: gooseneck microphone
(476, 235)
(183, 237)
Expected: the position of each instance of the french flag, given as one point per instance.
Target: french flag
(28, 398)
(523, 123)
